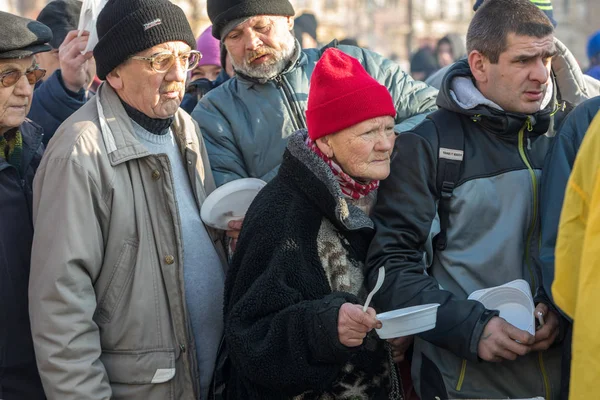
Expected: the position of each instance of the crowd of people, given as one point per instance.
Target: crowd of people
(113, 287)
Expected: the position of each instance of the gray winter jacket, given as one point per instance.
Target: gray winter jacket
(492, 239)
(246, 124)
(575, 87)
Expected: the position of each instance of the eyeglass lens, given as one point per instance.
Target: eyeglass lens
(12, 77)
(163, 62)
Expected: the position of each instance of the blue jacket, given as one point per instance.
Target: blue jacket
(19, 378)
(52, 104)
(557, 169)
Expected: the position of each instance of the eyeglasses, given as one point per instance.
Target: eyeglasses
(162, 62)
(11, 78)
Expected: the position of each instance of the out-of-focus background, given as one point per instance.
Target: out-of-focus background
(394, 28)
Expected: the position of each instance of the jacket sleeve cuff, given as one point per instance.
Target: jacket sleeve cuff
(329, 349)
(80, 96)
(478, 331)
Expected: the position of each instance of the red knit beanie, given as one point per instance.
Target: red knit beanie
(343, 94)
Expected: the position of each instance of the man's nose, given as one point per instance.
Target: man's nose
(540, 72)
(23, 87)
(252, 41)
(177, 72)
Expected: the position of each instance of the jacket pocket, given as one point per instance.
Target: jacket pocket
(141, 375)
(119, 279)
(139, 367)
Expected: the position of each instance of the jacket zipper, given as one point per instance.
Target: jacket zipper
(531, 229)
(282, 83)
(461, 377)
(523, 154)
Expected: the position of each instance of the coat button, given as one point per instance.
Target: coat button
(156, 174)
(169, 259)
(182, 348)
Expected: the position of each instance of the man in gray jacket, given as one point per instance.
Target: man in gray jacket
(246, 122)
(127, 283)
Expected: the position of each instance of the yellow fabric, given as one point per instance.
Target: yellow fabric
(576, 287)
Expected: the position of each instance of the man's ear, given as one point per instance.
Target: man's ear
(325, 146)
(479, 66)
(290, 23)
(114, 79)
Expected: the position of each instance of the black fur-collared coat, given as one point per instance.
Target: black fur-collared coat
(299, 258)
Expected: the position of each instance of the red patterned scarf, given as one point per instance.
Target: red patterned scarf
(350, 187)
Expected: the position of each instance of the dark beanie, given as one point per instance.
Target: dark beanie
(222, 12)
(126, 27)
(544, 5)
(62, 16)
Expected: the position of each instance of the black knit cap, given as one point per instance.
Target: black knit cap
(126, 27)
(221, 12)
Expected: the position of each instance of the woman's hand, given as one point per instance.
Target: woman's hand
(354, 324)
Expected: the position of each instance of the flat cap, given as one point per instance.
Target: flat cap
(22, 37)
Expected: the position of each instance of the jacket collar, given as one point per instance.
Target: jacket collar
(32, 135)
(117, 130)
(310, 174)
(483, 111)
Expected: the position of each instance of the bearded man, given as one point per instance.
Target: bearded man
(126, 285)
(247, 121)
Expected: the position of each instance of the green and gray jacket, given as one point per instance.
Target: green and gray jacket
(492, 239)
(246, 124)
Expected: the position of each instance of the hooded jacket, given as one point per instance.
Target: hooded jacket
(246, 124)
(492, 239)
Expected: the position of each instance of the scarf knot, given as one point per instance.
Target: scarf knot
(351, 189)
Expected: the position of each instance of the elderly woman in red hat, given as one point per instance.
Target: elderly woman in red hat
(294, 324)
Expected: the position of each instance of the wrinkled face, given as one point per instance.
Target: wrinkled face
(519, 80)
(209, 72)
(156, 94)
(362, 151)
(15, 100)
(261, 46)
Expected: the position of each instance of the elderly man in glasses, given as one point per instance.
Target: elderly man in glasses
(127, 282)
(20, 154)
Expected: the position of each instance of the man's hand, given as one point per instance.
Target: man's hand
(234, 232)
(354, 324)
(399, 347)
(546, 335)
(499, 341)
(73, 64)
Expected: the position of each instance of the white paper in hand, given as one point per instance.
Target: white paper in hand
(87, 21)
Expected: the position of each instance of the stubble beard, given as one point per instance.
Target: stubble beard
(273, 67)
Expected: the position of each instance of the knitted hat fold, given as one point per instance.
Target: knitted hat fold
(126, 27)
(343, 94)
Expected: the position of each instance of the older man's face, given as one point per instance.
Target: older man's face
(15, 100)
(261, 46)
(156, 94)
